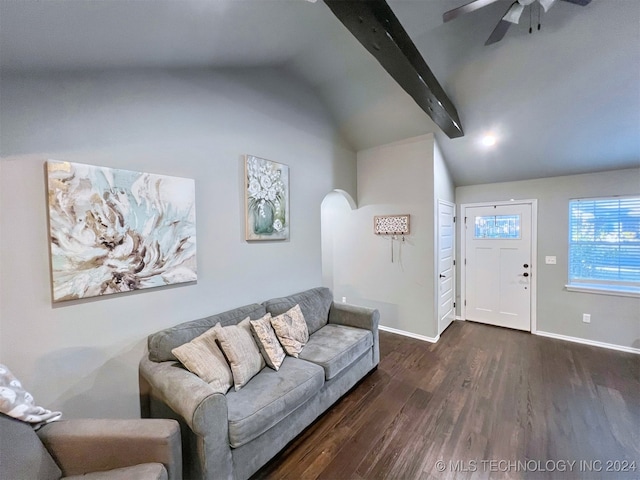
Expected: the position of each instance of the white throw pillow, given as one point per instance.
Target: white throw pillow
(267, 341)
(241, 351)
(203, 357)
(291, 329)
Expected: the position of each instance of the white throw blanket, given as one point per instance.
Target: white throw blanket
(16, 402)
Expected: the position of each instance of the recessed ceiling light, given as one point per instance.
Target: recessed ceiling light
(488, 140)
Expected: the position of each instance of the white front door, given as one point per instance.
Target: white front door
(445, 269)
(498, 268)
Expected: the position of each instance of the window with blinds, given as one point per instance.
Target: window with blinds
(604, 244)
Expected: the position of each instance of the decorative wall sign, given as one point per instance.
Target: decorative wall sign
(266, 199)
(391, 224)
(116, 230)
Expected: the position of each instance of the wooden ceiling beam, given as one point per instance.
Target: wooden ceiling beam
(376, 27)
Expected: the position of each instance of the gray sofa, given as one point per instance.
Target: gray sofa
(231, 436)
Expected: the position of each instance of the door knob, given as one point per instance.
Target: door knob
(443, 276)
(526, 265)
(525, 274)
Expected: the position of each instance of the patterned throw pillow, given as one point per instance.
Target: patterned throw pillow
(203, 357)
(241, 351)
(267, 341)
(291, 330)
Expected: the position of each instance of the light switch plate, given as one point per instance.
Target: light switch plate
(550, 260)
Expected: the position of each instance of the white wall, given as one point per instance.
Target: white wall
(398, 178)
(614, 320)
(443, 186)
(81, 357)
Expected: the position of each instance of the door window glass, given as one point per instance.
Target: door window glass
(497, 227)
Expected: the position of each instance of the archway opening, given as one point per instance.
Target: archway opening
(334, 212)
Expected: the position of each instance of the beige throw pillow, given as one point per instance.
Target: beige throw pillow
(267, 341)
(291, 330)
(203, 357)
(241, 351)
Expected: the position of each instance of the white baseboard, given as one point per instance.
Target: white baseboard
(584, 341)
(409, 334)
(459, 318)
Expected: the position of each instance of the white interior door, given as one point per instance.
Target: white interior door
(498, 267)
(446, 280)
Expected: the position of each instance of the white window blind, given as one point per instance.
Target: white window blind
(604, 243)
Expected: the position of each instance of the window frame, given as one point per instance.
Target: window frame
(594, 285)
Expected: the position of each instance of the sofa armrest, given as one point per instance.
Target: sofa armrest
(181, 390)
(204, 411)
(354, 316)
(359, 317)
(93, 445)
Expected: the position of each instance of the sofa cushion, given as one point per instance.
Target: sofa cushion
(335, 347)
(203, 357)
(22, 454)
(241, 351)
(161, 343)
(314, 303)
(291, 330)
(269, 397)
(144, 471)
(267, 341)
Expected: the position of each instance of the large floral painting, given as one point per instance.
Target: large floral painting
(267, 199)
(116, 230)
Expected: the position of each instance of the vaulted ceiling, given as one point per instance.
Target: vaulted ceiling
(563, 100)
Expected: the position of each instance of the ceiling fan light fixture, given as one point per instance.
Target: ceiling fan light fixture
(514, 13)
(546, 4)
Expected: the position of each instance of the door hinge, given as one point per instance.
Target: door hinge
(454, 304)
(465, 261)
(454, 263)
(465, 303)
(454, 219)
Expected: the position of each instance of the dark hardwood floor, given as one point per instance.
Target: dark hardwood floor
(484, 402)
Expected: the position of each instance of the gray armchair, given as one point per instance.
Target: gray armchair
(91, 449)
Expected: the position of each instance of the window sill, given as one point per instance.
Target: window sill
(604, 290)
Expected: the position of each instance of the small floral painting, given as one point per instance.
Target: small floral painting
(267, 199)
(115, 231)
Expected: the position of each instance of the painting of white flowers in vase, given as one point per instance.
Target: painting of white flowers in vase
(267, 199)
(115, 230)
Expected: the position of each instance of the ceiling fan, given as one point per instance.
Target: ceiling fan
(512, 16)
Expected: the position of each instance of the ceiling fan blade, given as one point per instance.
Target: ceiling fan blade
(582, 3)
(499, 32)
(514, 13)
(503, 25)
(469, 7)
